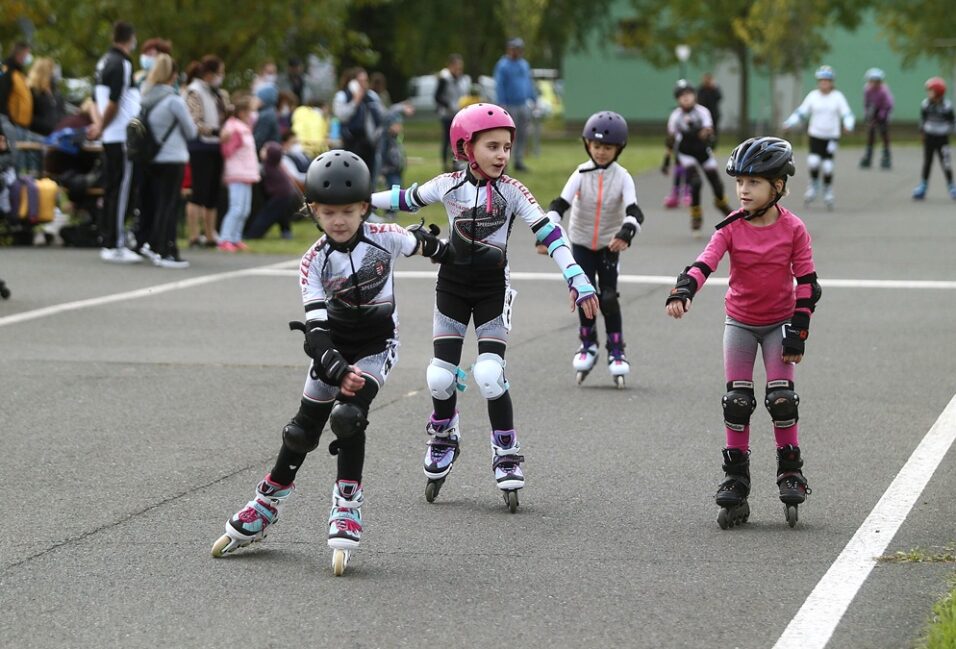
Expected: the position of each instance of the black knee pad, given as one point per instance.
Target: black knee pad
(609, 303)
(782, 402)
(300, 437)
(739, 403)
(347, 420)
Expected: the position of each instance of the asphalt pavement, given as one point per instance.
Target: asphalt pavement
(131, 430)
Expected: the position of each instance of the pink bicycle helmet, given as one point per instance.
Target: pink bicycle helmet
(473, 119)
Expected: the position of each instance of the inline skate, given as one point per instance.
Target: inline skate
(733, 491)
(587, 354)
(506, 465)
(345, 523)
(251, 523)
(790, 480)
(617, 363)
(919, 192)
(440, 454)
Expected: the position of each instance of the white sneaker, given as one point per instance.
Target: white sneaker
(148, 253)
(119, 256)
(171, 262)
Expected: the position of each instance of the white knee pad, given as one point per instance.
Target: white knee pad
(441, 376)
(813, 161)
(489, 373)
(828, 167)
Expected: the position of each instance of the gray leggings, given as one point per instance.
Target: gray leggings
(740, 351)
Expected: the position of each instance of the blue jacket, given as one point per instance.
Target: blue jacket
(513, 83)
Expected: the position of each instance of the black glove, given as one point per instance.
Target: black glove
(795, 334)
(328, 364)
(626, 233)
(431, 245)
(684, 290)
(666, 165)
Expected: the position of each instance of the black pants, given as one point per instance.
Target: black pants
(364, 149)
(163, 182)
(937, 145)
(883, 127)
(484, 306)
(117, 182)
(278, 209)
(447, 155)
(600, 266)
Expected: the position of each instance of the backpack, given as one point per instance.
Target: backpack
(141, 146)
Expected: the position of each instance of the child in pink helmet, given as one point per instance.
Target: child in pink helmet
(473, 283)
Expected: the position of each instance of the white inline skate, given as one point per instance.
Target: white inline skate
(251, 523)
(617, 363)
(811, 194)
(587, 354)
(506, 465)
(828, 199)
(345, 523)
(441, 451)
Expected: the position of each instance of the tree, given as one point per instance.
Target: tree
(416, 36)
(775, 34)
(920, 28)
(243, 33)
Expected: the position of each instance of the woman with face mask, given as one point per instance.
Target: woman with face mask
(152, 48)
(207, 105)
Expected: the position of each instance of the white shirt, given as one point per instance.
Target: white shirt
(826, 114)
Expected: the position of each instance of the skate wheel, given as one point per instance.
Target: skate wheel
(723, 519)
(791, 513)
(580, 377)
(340, 559)
(511, 499)
(219, 547)
(432, 489)
(619, 382)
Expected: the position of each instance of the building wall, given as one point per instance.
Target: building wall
(605, 77)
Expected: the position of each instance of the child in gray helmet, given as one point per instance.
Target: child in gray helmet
(604, 218)
(346, 279)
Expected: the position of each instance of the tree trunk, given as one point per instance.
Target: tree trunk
(743, 123)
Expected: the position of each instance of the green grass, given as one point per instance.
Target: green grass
(941, 633)
(549, 171)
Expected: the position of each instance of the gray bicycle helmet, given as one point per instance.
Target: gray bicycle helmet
(338, 177)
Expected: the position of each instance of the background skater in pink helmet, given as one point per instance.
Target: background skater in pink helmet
(473, 283)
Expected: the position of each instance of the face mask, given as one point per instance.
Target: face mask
(146, 62)
(269, 78)
(296, 148)
(216, 81)
(253, 117)
(285, 111)
(27, 60)
(132, 45)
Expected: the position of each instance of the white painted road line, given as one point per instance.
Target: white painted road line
(815, 622)
(664, 280)
(282, 269)
(128, 295)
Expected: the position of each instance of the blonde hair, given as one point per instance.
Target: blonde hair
(162, 71)
(41, 75)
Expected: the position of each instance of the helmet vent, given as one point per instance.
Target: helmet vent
(328, 164)
(326, 184)
(348, 183)
(346, 163)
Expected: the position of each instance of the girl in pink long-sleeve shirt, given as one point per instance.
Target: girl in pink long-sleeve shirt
(769, 248)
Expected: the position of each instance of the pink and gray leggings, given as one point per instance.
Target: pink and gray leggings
(740, 352)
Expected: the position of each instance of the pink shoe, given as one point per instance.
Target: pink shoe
(227, 246)
(241, 246)
(671, 200)
(687, 197)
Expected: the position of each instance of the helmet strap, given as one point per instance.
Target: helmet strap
(766, 208)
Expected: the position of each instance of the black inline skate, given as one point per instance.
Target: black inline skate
(790, 480)
(733, 491)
